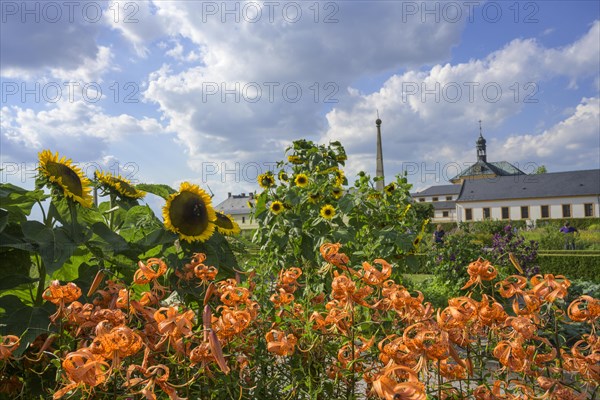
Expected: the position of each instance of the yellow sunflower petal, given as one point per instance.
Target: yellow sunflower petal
(301, 180)
(122, 186)
(276, 207)
(327, 211)
(226, 225)
(69, 178)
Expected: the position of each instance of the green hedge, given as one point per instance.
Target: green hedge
(570, 252)
(579, 223)
(579, 266)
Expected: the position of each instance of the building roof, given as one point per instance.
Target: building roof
(235, 204)
(555, 184)
(438, 190)
(497, 168)
(443, 205)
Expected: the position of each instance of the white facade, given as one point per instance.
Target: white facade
(530, 209)
(438, 215)
(245, 221)
(431, 199)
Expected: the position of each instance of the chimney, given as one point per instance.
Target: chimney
(251, 195)
(228, 194)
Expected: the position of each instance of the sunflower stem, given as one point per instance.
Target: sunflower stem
(111, 220)
(44, 217)
(73, 215)
(41, 284)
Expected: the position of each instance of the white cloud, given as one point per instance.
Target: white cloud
(425, 119)
(572, 143)
(275, 58)
(82, 130)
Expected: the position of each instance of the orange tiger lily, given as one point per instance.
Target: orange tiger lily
(153, 269)
(550, 287)
(279, 343)
(205, 273)
(61, 295)
(154, 375)
(174, 325)
(116, 344)
(584, 309)
(480, 270)
(231, 322)
(8, 344)
(514, 284)
(83, 368)
(389, 389)
(372, 276)
(330, 252)
(282, 298)
(288, 279)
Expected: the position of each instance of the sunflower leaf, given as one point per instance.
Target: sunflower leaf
(160, 190)
(3, 219)
(24, 321)
(53, 245)
(18, 201)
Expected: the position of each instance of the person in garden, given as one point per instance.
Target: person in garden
(569, 232)
(438, 234)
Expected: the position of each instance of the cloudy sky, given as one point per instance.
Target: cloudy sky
(213, 92)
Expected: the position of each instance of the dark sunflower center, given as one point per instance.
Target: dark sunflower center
(276, 207)
(188, 214)
(301, 181)
(69, 178)
(328, 211)
(223, 221)
(267, 181)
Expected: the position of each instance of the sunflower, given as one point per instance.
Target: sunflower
(283, 177)
(337, 193)
(276, 207)
(266, 180)
(419, 237)
(226, 225)
(119, 184)
(339, 177)
(295, 160)
(301, 180)
(313, 197)
(69, 178)
(327, 211)
(189, 213)
(389, 189)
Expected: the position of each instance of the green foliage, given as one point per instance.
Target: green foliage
(370, 223)
(511, 241)
(448, 262)
(583, 266)
(490, 226)
(579, 223)
(550, 238)
(73, 243)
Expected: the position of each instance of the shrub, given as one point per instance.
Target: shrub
(583, 266)
(508, 241)
(579, 223)
(447, 262)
